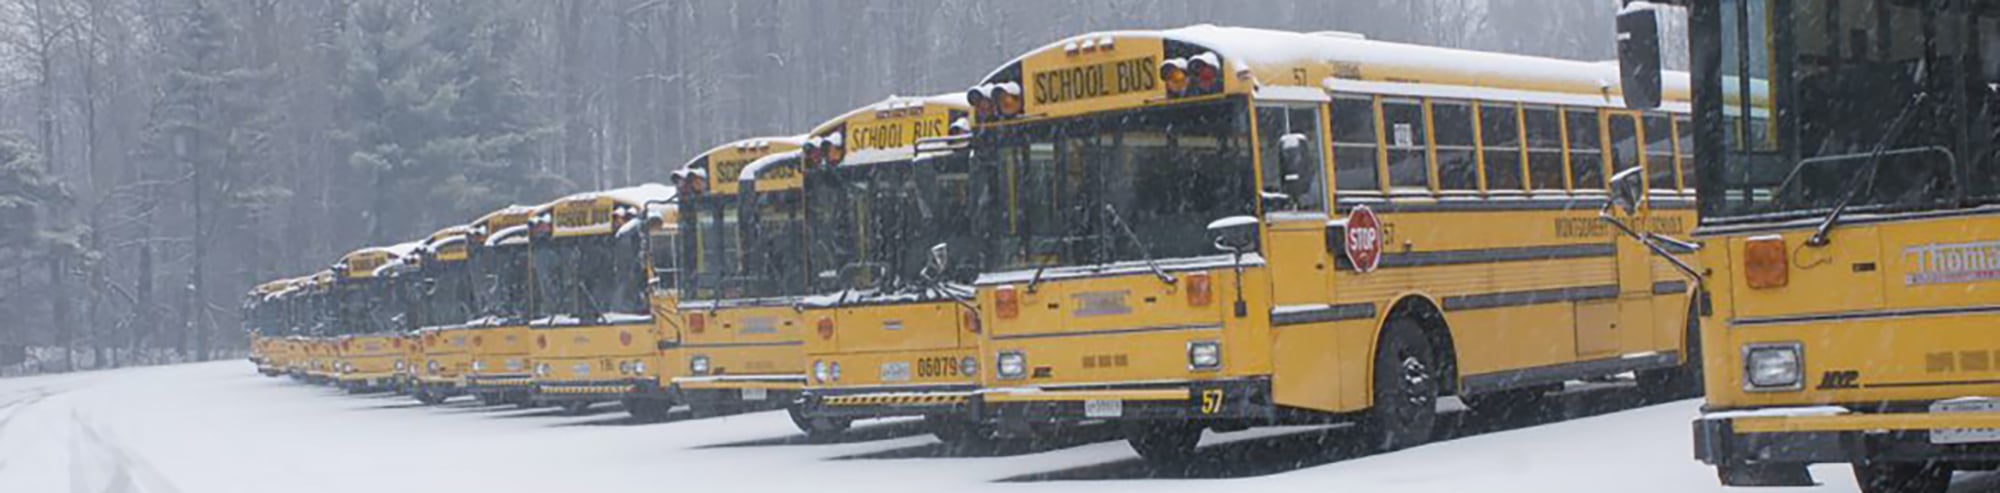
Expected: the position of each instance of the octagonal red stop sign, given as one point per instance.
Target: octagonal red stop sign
(1364, 239)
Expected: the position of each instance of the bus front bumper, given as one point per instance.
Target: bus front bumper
(594, 390)
(1232, 399)
(885, 402)
(365, 381)
(744, 389)
(517, 383)
(1789, 439)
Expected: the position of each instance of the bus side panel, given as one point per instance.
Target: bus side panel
(1497, 339)
(1301, 267)
(1319, 366)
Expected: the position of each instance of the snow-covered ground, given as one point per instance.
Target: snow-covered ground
(218, 427)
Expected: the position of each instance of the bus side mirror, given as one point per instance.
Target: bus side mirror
(1627, 189)
(1639, 55)
(940, 257)
(1234, 234)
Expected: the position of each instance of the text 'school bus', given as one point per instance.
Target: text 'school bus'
(371, 315)
(321, 329)
(1217, 228)
(595, 339)
(435, 366)
(893, 335)
(264, 323)
(495, 366)
(743, 262)
(1849, 239)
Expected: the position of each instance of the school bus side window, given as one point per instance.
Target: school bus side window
(1586, 152)
(1500, 136)
(1409, 165)
(1684, 147)
(1289, 141)
(1354, 144)
(1457, 168)
(1545, 152)
(1659, 153)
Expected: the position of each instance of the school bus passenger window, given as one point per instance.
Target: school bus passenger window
(1586, 151)
(1288, 141)
(1659, 152)
(1624, 134)
(1683, 149)
(1545, 154)
(1354, 157)
(1456, 165)
(1409, 165)
(1500, 133)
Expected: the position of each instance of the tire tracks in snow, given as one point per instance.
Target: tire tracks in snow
(99, 463)
(14, 405)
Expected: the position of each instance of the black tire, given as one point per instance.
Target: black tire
(1511, 404)
(964, 435)
(428, 398)
(1166, 443)
(818, 428)
(1679, 382)
(492, 399)
(575, 408)
(1406, 389)
(1902, 477)
(648, 409)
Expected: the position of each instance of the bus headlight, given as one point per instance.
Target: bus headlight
(1773, 366)
(833, 370)
(399, 365)
(698, 365)
(968, 366)
(1011, 365)
(434, 366)
(478, 365)
(625, 368)
(1204, 355)
(819, 372)
(542, 370)
(638, 368)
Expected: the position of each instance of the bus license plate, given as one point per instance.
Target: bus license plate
(755, 394)
(1965, 435)
(896, 372)
(1110, 408)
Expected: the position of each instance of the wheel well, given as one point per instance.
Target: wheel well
(1427, 315)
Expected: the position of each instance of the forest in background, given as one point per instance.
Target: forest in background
(160, 157)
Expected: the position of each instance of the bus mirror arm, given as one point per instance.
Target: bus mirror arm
(1656, 243)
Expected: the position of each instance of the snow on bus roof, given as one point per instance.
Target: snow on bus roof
(1248, 47)
(750, 171)
(515, 209)
(636, 195)
(793, 140)
(894, 102)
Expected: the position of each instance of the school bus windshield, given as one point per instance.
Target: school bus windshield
(874, 224)
(1874, 100)
(774, 261)
(1073, 186)
(589, 276)
(446, 296)
(500, 275)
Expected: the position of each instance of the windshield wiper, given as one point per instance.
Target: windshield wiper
(1144, 252)
(1873, 169)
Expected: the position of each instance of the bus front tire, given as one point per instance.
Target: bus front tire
(1164, 443)
(1902, 477)
(818, 428)
(648, 409)
(429, 398)
(1406, 389)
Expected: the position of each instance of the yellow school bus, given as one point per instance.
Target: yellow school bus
(489, 353)
(320, 331)
(263, 321)
(592, 321)
(444, 303)
(1849, 245)
(1216, 228)
(741, 341)
(371, 306)
(892, 334)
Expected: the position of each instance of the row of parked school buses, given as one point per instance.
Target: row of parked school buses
(1212, 228)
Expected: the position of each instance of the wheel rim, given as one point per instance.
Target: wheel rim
(1416, 382)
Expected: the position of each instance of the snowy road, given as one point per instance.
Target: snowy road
(218, 427)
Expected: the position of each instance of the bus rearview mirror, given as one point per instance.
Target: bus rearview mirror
(1234, 234)
(1639, 55)
(1627, 189)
